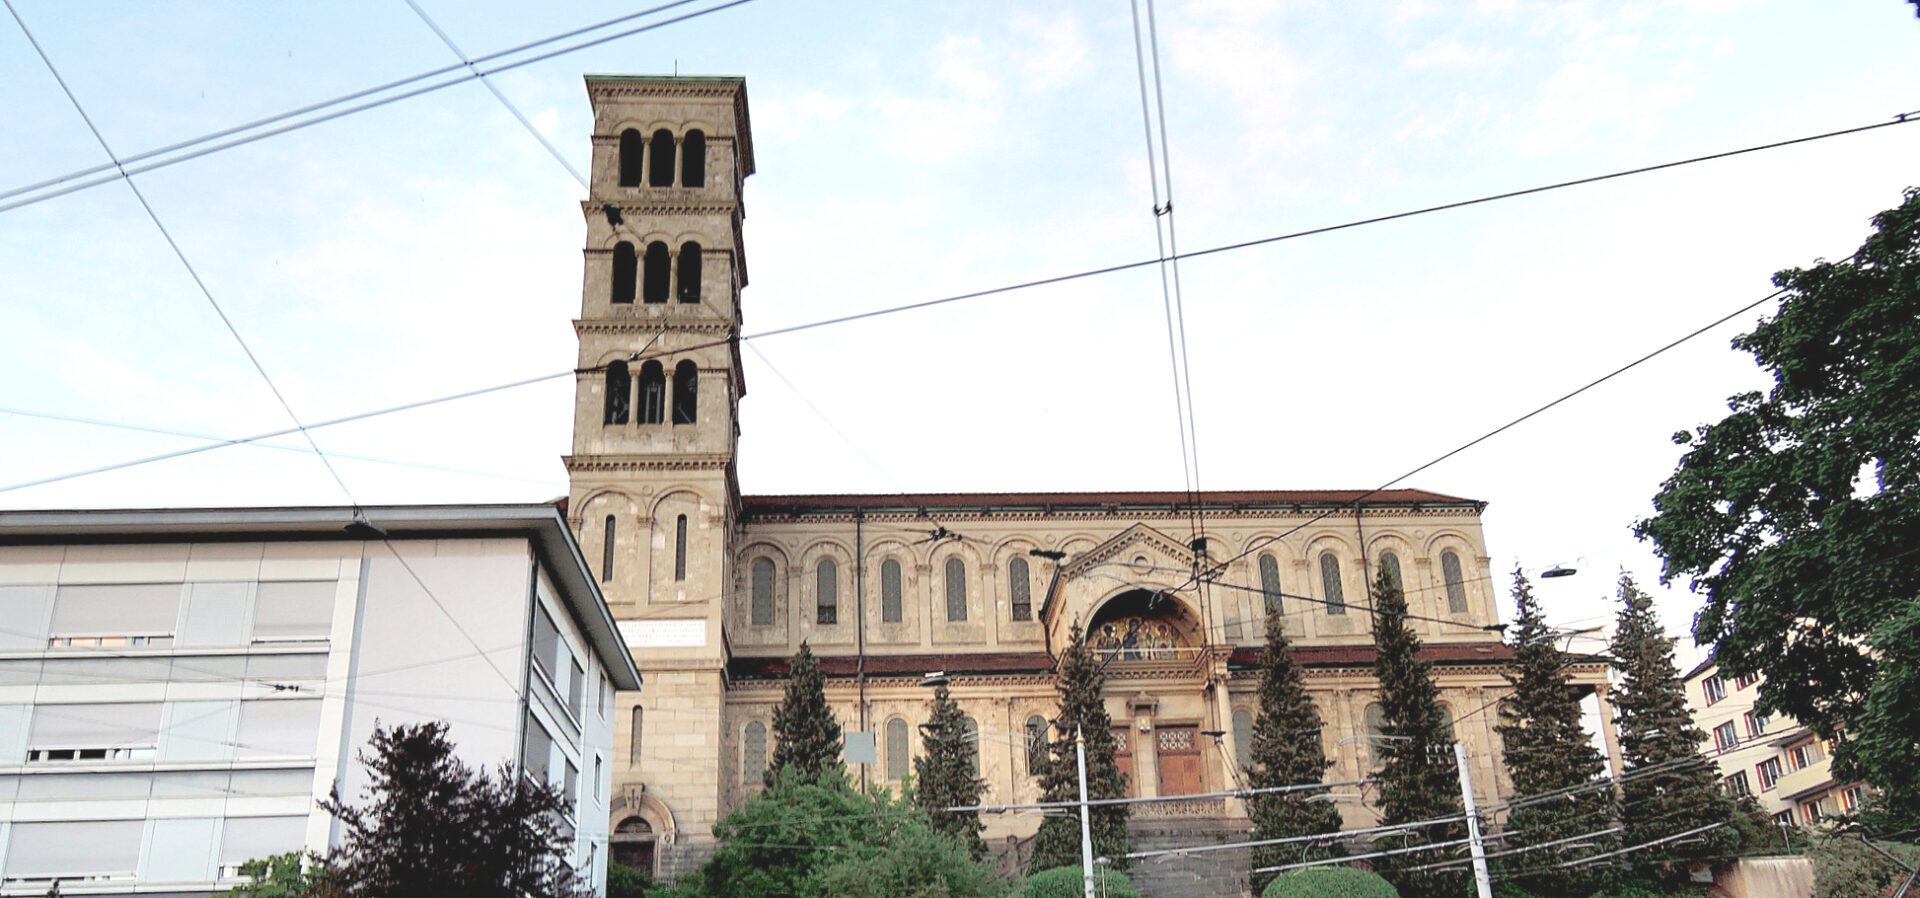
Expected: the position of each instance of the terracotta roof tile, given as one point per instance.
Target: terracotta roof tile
(827, 503)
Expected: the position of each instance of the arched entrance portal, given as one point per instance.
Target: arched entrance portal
(632, 844)
(1141, 625)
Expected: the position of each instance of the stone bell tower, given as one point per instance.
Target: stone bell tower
(654, 496)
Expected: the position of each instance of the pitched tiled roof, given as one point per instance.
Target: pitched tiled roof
(827, 503)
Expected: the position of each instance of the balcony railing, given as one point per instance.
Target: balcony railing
(1811, 778)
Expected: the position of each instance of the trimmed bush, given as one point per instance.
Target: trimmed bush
(1064, 882)
(1330, 882)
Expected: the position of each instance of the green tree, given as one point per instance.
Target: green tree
(944, 775)
(1845, 867)
(910, 861)
(1070, 882)
(285, 876)
(1057, 844)
(1548, 751)
(1285, 751)
(1798, 513)
(1417, 775)
(1668, 786)
(430, 825)
(807, 738)
(1329, 882)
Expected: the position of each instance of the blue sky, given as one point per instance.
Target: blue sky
(912, 151)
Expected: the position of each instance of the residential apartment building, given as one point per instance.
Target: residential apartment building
(1781, 764)
(178, 688)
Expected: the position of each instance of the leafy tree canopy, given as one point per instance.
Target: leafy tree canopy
(1798, 514)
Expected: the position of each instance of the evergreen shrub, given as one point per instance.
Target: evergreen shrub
(1330, 882)
(1065, 882)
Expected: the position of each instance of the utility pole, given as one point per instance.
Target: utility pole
(1482, 882)
(1086, 830)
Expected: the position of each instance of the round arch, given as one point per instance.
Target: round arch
(1141, 623)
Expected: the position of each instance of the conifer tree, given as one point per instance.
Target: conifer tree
(1417, 775)
(1057, 844)
(1547, 750)
(944, 775)
(1285, 752)
(808, 736)
(1669, 787)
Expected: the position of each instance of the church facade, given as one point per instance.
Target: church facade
(715, 590)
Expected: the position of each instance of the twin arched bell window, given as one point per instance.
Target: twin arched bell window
(652, 159)
(652, 393)
(656, 274)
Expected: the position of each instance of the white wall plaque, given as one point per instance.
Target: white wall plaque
(663, 634)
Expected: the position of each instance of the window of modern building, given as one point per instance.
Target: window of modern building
(687, 273)
(93, 733)
(680, 548)
(1455, 580)
(606, 552)
(1756, 725)
(634, 735)
(626, 273)
(278, 728)
(753, 753)
(1020, 589)
(660, 159)
(653, 392)
(1852, 797)
(1804, 756)
(1390, 566)
(1725, 738)
(655, 273)
(970, 735)
(1784, 818)
(1242, 738)
(577, 690)
(1813, 810)
(536, 749)
(606, 695)
(762, 592)
(1330, 589)
(890, 604)
(899, 755)
(115, 614)
(826, 592)
(633, 151)
(599, 793)
(1036, 733)
(546, 645)
(686, 392)
(1769, 773)
(293, 610)
(1270, 583)
(570, 788)
(78, 850)
(693, 159)
(1714, 688)
(956, 578)
(1744, 682)
(1736, 785)
(619, 393)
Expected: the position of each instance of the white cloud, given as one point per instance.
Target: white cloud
(1445, 55)
(1060, 55)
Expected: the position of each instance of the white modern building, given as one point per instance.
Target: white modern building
(178, 688)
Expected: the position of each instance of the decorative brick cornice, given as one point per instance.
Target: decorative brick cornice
(629, 463)
(637, 207)
(640, 325)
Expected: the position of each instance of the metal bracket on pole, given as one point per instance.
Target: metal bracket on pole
(1482, 882)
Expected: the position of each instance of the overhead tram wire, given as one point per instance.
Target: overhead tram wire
(1904, 118)
(212, 143)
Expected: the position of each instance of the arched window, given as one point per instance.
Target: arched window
(606, 554)
(1243, 738)
(1376, 720)
(1036, 745)
(753, 752)
(970, 734)
(655, 276)
(1456, 582)
(898, 753)
(619, 393)
(693, 159)
(632, 153)
(688, 274)
(826, 592)
(763, 592)
(1330, 584)
(660, 159)
(686, 392)
(633, 736)
(1020, 589)
(1446, 722)
(1390, 566)
(626, 265)
(680, 548)
(1270, 582)
(956, 590)
(890, 591)
(653, 392)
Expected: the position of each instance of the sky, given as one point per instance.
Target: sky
(907, 152)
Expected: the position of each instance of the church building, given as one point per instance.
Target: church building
(714, 590)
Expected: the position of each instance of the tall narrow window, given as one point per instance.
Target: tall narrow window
(1456, 583)
(619, 393)
(763, 592)
(1390, 566)
(956, 590)
(632, 157)
(1446, 722)
(890, 591)
(633, 737)
(1270, 582)
(680, 548)
(1376, 720)
(606, 554)
(626, 271)
(1243, 738)
(687, 274)
(1036, 744)
(970, 735)
(898, 753)
(660, 159)
(754, 752)
(693, 159)
(1330, 584)
(653, 392)
(656, 273)
(686, 392)
(1020, 589)
(826, 592)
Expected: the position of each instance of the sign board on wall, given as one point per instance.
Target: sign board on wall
(664, 634)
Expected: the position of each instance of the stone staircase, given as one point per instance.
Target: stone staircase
(1212, 874)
